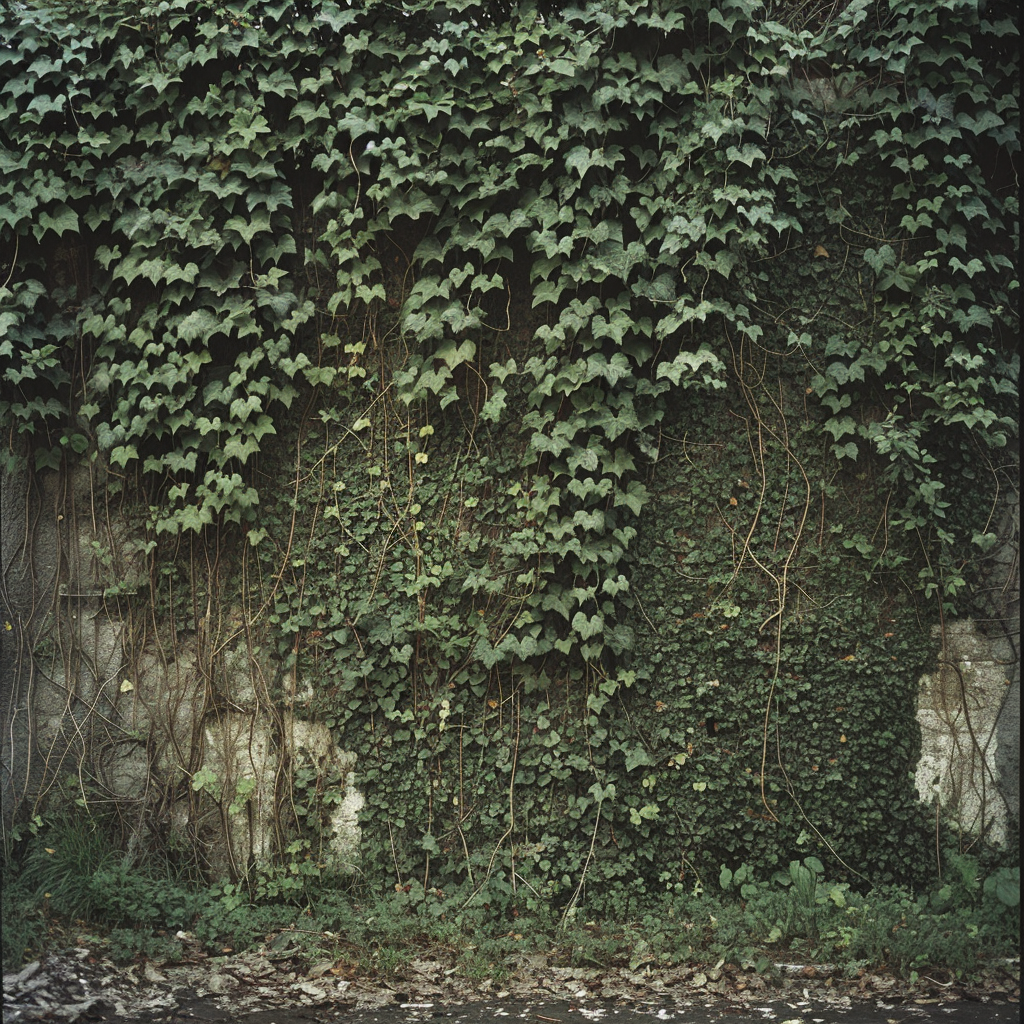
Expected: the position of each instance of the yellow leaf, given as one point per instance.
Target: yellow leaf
(421, 457)
(8, 627)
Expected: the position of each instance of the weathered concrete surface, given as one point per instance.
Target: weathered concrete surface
(29, 566)
(182, 730)
(1004, 603)
(969, 707)
(959, 707)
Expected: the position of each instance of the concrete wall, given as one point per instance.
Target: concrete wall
(1002, 599)
(969, 706)
(29, 568)
(181, 732)
(959, 708)
(185, 735)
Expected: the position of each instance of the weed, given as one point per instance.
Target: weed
(127, 944)
(24, 922)
(129, 897)
(59, 862)
(67, 872)
(242, 926)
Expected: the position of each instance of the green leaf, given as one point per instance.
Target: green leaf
(200, 323)
(63, 219)
(636, 757)
(123, 454)
(687, 363)
(453, 353)
(579, 159)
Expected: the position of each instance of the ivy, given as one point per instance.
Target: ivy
(487, 262)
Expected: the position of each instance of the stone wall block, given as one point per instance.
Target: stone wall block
(960, 703)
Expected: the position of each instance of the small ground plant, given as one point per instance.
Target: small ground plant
(66, 876)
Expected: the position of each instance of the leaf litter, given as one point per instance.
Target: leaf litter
(81, 984)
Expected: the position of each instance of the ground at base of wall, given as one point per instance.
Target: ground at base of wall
(82, 985)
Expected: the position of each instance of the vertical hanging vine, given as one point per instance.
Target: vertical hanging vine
(490, 275)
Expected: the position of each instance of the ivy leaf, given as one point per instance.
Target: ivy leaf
(492, 409)
(633, 497)
(688, 363)
(621, 461)
(748, 154)
(200, 323)
(453, 353)
(411, 204)
(881, 258)
(43, 104)
(637, 757)
(240, 448)
(123, 454)
(63, 219)
(612, 370)
(579, 159)
(334, 16)
(191, 517)
(587, 626)
(259, 220)
(548, 291)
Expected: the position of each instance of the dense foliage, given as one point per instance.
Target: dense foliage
(961, 927)
(636, 357)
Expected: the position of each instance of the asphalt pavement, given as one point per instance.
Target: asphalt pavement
(717, 1012)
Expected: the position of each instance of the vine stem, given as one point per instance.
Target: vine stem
(511, 811)
(571, 905)
(781, 582)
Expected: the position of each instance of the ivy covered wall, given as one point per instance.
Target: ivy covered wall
(584, 412)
